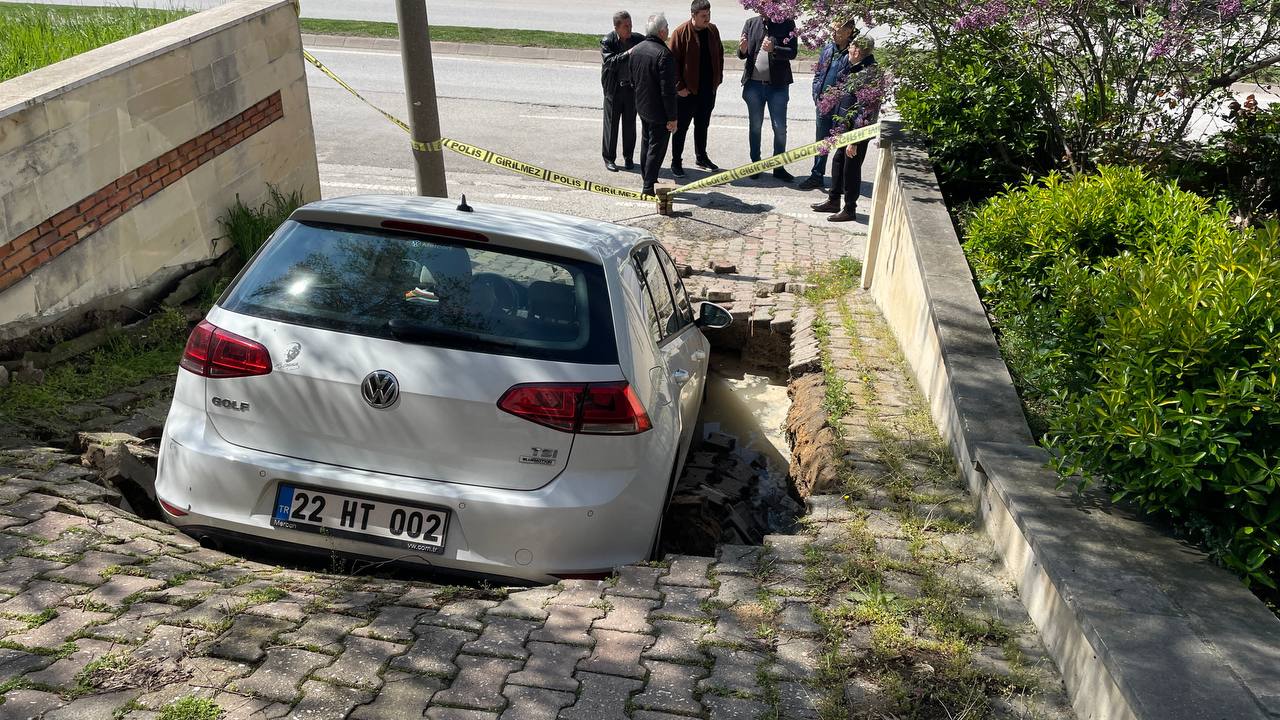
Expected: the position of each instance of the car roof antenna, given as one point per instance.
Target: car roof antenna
(464, 207)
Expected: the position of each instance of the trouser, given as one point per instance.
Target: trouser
(653, 150)
(620, 108)
(695, 109)
(759, 95)
(846, 175)
(824, 125)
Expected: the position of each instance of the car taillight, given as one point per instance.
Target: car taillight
(589, 409)
(216, 353)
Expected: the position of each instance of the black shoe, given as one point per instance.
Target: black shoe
(826, 207)
(813, 182)
(706, 164)
(628, 164)
(756, 176)
(677, 168)
(783, 175)
(649, 191)
(842, 216)
(611, 166)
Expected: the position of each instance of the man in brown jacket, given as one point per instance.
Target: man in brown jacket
(699, 60)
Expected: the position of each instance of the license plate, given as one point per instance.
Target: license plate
(358, 517)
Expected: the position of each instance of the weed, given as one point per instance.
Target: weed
(248, 228)
(36, 37)
(191, 708)
(265, 595)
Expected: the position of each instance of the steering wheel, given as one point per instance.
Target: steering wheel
(505, 292)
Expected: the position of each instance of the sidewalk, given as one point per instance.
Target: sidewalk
(888, 603)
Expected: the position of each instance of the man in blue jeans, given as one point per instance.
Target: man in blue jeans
(832, 70)
(767, 48)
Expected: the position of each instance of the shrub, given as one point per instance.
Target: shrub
(1144, 330)
(980, 121)
(248, 228)
(1241, 164)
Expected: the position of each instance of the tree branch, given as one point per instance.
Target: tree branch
(1226, 80)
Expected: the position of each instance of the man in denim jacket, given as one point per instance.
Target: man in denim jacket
(832, 70)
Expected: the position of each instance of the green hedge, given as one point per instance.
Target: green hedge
(1144, 329)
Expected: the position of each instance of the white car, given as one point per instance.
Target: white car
(487, 390)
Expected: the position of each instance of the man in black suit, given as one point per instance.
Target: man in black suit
(619, 96)
(653, 75)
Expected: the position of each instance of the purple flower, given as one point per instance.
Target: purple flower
(776, 10)
(1228, 9)
(982, 17)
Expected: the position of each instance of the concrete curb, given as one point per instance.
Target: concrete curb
(1141, 625)
(515, 52)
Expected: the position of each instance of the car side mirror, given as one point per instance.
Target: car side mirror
(711, 315)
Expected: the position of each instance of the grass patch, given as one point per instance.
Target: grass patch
(33, 36)
(835, 281)
(265, 595)
(248, 228)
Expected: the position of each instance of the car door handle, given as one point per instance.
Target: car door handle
(699, 356)
(680, 376)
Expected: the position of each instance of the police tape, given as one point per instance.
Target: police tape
(548, 175)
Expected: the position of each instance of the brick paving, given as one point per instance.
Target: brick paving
(104, 615)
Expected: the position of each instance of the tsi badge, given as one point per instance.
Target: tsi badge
(230, 404)
(540, 456)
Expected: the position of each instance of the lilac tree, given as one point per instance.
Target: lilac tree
(1116, 80)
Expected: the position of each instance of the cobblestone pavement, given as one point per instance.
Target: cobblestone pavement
(880, 608)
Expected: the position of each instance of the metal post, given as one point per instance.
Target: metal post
(420, 86)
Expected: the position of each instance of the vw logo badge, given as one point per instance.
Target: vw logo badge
(380, 389)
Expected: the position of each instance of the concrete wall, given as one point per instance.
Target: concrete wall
(1141, 626)
(116, 164)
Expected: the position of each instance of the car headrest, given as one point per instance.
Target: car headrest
(555, 302)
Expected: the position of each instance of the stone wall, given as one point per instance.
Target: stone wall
(1140, 625)
(115, 165)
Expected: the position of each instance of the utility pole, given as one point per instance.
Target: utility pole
(420, 86)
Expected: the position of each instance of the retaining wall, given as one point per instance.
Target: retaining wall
(1140, 625)
(116, 164)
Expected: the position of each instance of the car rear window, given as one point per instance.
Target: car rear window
(429, 290)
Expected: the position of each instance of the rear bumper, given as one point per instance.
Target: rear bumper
(583, 522)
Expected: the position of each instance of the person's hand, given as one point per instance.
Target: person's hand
(849, 152)
(683, 93)
(742, 44)
(767, 45)
(671, 126)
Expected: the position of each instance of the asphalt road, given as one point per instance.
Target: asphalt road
(545, 113)
(577, 16)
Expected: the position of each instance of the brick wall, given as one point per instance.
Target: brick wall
(116, 165)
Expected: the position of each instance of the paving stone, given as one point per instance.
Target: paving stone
(883, 524)
(23, 704)
(579, 592)
(62, 673)
(403, 697)
(617, 653)
(140, 548)
(799, 702)
(478, 683)
(427, 598)
(356, 602)
(737, 588)
(898, 551)
(568, 625)
(38, 596)
(526, 604)
(324, 631)
(502, 637)
(114, 591)
(683, 603)
(626, 614)
(734, 671)
(239, 707)
(462, 615)
(687, 570)
(245, 640)
(167, 567)
(829, 509)
(32, 506)
(733, 628)
(394, 623)
(797, 658)
(526, 703)
(65, 547)
(671, 688)
(439, 713)
(94, 707)
(136, 623)
(361, 662)
(52, 524)
(11, 544)
(16, 662)
(127, 531)
(185, 592)
(902, 584)
(788, 548)
(434, 651)
(723, 708)
(211, 612)
(602, 697)
(797, 619)
(279, 676)
(550, 666)
(738, 559)
(58, 630)
(637, 581)
(292, 610)
(322, 701)
(677, 642)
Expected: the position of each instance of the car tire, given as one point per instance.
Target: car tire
(655, 547)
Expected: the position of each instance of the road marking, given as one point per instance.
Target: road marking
(460, 58)
(367, 186)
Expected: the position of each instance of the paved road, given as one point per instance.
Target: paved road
(578, 16)
(546, 113)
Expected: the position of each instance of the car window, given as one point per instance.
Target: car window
(664, 306)
(683, 306)
(429, 290)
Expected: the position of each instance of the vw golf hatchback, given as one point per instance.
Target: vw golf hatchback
(492, 390)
